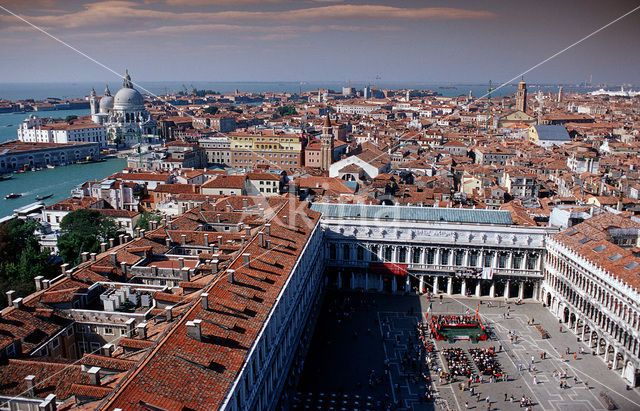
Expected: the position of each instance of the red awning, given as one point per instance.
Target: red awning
(388, 268)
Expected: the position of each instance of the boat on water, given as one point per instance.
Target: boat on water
(6, 177)
(50, 166)
(44, 197)
(12, 195)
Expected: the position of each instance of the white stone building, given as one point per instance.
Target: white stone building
(34, 130)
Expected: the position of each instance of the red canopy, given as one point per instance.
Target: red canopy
(388, 268)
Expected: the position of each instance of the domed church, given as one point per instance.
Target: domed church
(124, 115)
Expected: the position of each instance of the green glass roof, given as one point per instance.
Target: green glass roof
(406, 213)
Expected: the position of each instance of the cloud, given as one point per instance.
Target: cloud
(119, 14)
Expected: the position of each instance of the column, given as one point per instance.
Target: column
(536, 290)
(463, 290)
(421, 286)
(492, 290)
(394, 284)
(478, 289)
(615, 359)
(449, 285)
(583, 328)
(352, 280)
(380, 284)
(506, 289)
(366, 280)
(339, 280)
(435, 285)
(407, 284)
(606, 352)
(521, 290)
(510, 260)
(436, 258)
(465, 259)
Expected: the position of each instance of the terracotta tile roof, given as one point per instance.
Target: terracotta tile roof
(182, 372)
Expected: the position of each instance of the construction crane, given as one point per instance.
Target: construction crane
(375, 83)
(489, 90)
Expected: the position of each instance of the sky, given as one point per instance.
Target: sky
(320, 40)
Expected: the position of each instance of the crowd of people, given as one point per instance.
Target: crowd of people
(487, 362)
(457, 362)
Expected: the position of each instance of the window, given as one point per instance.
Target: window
(360, 253)
(374, 253)
(459, 257)
(488, 256)
(473, 258)
(402, 258)
(431, 256)
(517, 261)
(332, 251)
(55, 343)
(345, 252)
(531, 261)
(108, 331)
(416, 255)
(388, 254)
(444, 257)
(502, 260)
(123, 332)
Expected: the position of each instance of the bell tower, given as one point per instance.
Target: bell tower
(326, 144)
(521, 96)
(93, 102)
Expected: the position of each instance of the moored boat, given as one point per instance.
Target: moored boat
(12, 195)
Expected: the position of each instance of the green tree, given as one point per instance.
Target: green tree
(146, 218)
(211, 110)
(84, 230)
(287, 111)
(70, 118)
(21, 258)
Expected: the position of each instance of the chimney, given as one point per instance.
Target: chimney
(217, 218)
(181, 263)
(121, 239)
(143, 232)
(206, 240)
(94, 375)
(153, 225)
(184, 239)
(214, 265)
(163, 222)
(194, 329)
(108, 349)
(123, 266)
(167, 242)
(46, 284)
(64, 268)
(244, 203)
(247, 232)
(261, 212)
(38, 281)
(112, 242)
(31, 385)
(142, 330)
(267, 229)
(93, 257)
(219, 241)
(246, 259)
(48, 404)
(186, 274)
(268, 245)
(204, 301)
(285, 220)
(103, 247)
(127, 238)
(85, 256)
(136, 233)
(17, 303)
(167, 313)
(114, 257)
(230, 275)
(261, 239)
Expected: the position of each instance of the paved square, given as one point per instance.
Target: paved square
(361, 332)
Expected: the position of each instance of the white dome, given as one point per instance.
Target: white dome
(106, 104)
(128, 98)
